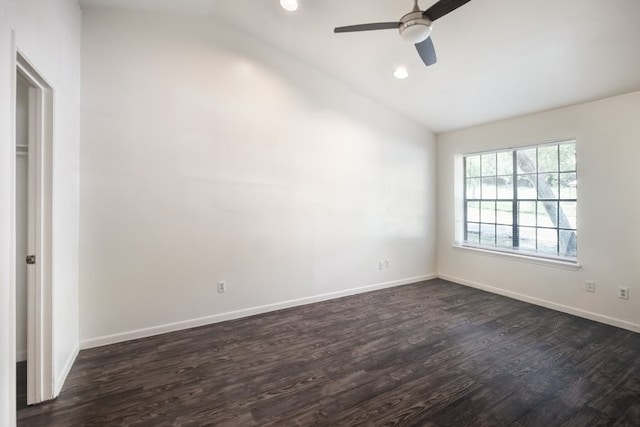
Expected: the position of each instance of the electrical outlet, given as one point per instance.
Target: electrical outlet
(590, 286)
(380, 265)
(623, 293)
(222, 287)
(387, 263)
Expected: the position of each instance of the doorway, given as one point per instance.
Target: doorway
(22, 212)
(33, 231)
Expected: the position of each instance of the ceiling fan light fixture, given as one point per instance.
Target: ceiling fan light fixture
(290, 5)
(415, 28)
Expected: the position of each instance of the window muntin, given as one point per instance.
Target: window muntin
(523, 200)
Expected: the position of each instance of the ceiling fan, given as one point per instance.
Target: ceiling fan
(415, 27)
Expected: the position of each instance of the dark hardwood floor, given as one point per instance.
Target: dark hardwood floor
(427, 354)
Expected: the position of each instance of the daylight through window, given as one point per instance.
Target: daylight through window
(523, 200)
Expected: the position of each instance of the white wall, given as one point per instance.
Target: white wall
(208, 155)
(48, 34)
(608, 151)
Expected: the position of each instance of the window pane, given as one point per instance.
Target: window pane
(569, 211)
(547, 214)
(488, 164)
(547, 240)
(548, 186)
(548, 159)
(527, 188)
(489, 188)
(472, 167)
(504, 236)
(487, 234)
(488, 212)
(527, 161)
(568, 157)
(568, 243)
(527, 238)
(473, 188)
(505, 163)
(473, 211)
(568, 185)
(505, 187)
(473, 233)
(504, 213)
(527, 213)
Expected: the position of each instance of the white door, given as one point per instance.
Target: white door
(33, 229)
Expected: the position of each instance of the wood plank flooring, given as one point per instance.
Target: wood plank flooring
(427, 354)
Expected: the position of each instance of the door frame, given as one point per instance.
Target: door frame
(40, 358)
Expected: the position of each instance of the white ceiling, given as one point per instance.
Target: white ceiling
(496, 58)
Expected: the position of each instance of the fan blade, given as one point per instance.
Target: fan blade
(443, 7)
(368, 27)
(427, 52)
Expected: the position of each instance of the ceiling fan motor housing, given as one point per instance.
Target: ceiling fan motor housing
(415, 27)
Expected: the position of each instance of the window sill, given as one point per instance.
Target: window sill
(550, 262)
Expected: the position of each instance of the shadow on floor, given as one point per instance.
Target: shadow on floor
(21, 385)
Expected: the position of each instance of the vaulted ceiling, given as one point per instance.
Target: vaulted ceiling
(496, 58)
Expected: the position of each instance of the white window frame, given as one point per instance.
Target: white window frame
(554, 259)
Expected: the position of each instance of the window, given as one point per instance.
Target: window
(523, 200)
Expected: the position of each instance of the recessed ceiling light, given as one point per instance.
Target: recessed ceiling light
(400, 73)
(290, 5)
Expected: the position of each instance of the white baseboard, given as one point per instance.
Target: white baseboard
(634, 327)
(221, 317)
(59, 380)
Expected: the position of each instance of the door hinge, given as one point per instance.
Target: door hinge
(31, 259)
